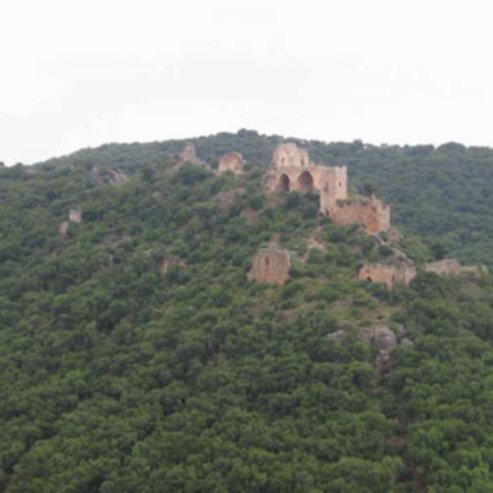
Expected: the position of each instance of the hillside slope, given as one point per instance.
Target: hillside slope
(135, 355)
(441, 194)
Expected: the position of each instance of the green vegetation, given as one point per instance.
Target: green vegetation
(118, 378)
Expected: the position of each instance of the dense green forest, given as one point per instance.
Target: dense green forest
(119, 376)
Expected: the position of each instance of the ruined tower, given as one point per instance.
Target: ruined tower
(292, 169)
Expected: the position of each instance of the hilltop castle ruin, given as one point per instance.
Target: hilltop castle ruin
(292, 169)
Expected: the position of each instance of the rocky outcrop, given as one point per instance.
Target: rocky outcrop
(114, 177)
(270, 266)
(117, 177)
(380, 338)
(383, 340)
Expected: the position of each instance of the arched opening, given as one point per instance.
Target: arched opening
(284, 183)
(369, 279)
(305, 182)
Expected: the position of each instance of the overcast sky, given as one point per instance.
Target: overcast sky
(85, 72)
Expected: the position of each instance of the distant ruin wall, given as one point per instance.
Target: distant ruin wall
(270, 266)
(75, 216)
(450, 267)
(292, 170)
(289, 155)
(189, 155)
(233, 161)
(373, 214)
(388, 274)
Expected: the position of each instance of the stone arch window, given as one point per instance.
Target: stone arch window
(284, 183)
(305, 182)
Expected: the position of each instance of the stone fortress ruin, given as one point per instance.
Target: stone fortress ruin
(292, 169)
(232, 161)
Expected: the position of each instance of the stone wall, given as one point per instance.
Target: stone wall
(233, 161)
(389, 275)
(289, 155)
(270, 266)
(291, 169)
(75, 216)
(450, 267)
(373, 214)
(189, 155)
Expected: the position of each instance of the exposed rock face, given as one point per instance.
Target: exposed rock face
(383, 340)
(270, 266)
(75, 216)
(337, 336)
(450, 267)
(117, 177)
(233, 161)
(112, 176)
(373, 214)
(391, 274)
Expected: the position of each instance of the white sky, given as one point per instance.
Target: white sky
(78, 73)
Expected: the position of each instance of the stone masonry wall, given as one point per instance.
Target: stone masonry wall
(233, 161)
(388, 274)
(372, 213)
(450, 267)
(291, 169)
(75, 216)
(270, 266)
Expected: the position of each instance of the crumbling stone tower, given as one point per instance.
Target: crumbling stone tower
(291, 169)
(232, 161)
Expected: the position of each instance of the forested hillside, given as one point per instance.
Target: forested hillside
(440, 193)
(135, 356)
